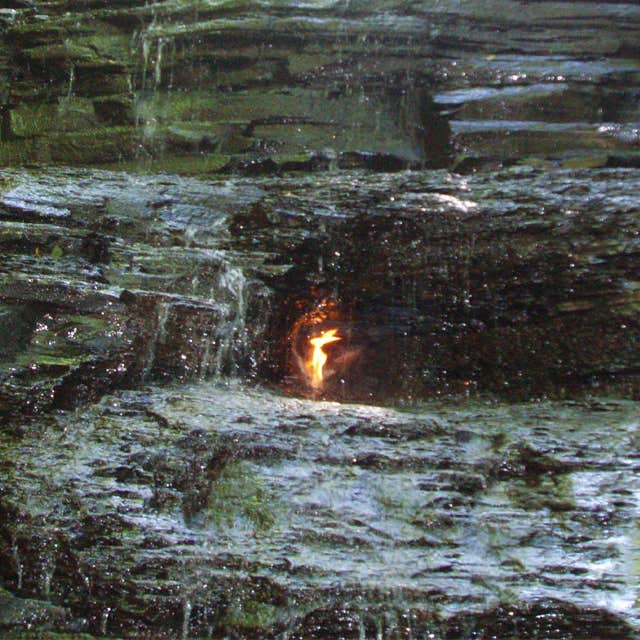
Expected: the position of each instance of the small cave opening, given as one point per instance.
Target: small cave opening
(336, 347)
(357, 283)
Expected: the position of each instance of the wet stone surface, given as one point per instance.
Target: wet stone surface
(453, 186)
(112, 279)
(520, 282)
(109, 280)
(196, 85)
(221, 510)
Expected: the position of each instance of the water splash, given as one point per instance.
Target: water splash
(45, 578)
(157, 74)
(104, 619)
(231, 334)
(208, 350)
(72, 77)
(146, 52)
(362, 632)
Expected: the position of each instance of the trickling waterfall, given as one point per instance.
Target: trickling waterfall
(204, 337)
(157, 338)
(157, 74)
(150, 49)
(205, 367)
(145, 50)
(468, 214)
(72, 75)
(362, 632)
(231, 333)
(186, 616)
(46, 574)
(15, 555)
(229, 341)
(104, 619)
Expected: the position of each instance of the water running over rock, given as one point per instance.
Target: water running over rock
(449, 189)
(223, 510)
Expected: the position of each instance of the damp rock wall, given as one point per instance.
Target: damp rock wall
(459, 178)
(521, 282)
(235, 86)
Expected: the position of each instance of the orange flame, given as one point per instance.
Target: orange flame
(315, 364)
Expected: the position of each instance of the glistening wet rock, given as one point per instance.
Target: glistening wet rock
(465, 283)
(160, 518)
(266, 89)
(521, 282)
(141, 497)
(29, 613)
(110, 283)
(550, 619)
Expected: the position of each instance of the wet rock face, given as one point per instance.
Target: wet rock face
(204, 510)
(117, 281)
(520, 282)
(509, 282)
(372, 85)
(98, 84)
(217, 510)
(450, 187)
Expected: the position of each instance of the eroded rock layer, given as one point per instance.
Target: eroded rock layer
(215, 511)
(522, 281)
(306, 85)
(452, 187)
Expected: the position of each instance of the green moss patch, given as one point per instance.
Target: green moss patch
(96, 146)
(238, 497)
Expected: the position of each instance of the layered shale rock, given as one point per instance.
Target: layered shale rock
(451, 186)
(95, 84)
(221, 510)
(520, 281)
(109, 281)
(226, 84)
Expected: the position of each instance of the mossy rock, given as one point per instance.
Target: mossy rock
(178, 164)
(302, 161)
(108, 42)
(15, 152)
(535, 141)
(67, 343)
(88, 82)
(69, 114)
(222, 137)
(585, 162)
(96, 146)
(251, 614)
(55, 54)
(36, 33)
(115, 110)
(239, 498)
